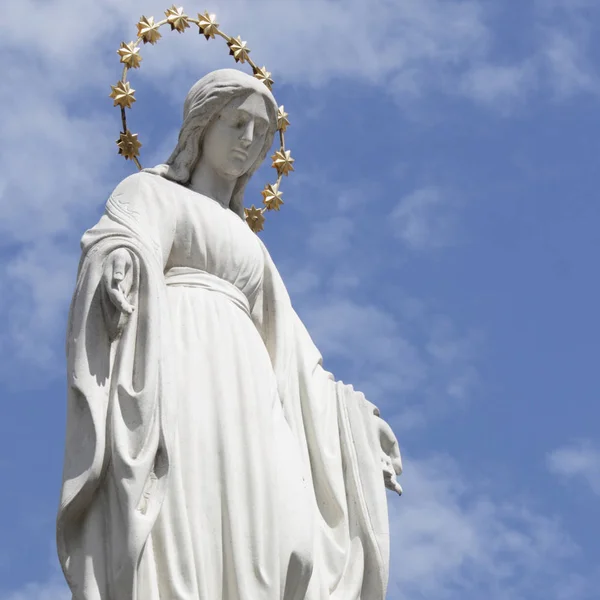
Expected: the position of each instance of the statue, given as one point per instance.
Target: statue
(209, 455)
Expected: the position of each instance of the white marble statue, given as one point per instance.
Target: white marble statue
(209, 456)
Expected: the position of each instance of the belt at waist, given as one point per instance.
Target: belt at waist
(190, 277)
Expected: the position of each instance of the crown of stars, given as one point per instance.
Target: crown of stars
(208, 25)
(283, 162)
(238, 49)
(282, 119)
(130, 55)
(123, 95)
(129, 146)
(255, 218)
(148, 30)
(177, 19)
(272, 196)
(265, 76)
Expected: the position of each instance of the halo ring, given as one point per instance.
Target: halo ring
(123, 96)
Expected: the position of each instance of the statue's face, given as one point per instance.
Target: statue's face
(235, 138)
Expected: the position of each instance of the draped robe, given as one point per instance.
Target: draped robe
(293, 454)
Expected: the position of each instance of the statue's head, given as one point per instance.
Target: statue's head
(229, 120)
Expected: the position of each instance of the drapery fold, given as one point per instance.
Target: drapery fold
(335, 427)
(121, 420)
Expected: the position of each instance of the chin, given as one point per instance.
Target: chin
(236, 170)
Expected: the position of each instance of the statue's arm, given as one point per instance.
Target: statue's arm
(391, 459)
(144, 220)
(278, 323)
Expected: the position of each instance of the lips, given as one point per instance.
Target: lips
(239, 153)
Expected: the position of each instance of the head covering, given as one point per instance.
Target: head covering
(203, 103)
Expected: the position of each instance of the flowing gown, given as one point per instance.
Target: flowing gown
(209, 456)
(238, 507)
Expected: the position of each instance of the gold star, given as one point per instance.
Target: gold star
(208, 25)
(238, 49)
(255, 218)
(272, 196)
(283, 162)
(130, 55)
(128, 144)
(263, 75)
(282, 119)
(177, 19)
(122, 94)
(148, 30)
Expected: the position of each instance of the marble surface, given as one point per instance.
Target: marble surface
(208, 454)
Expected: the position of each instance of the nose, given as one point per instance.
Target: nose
(247, 134)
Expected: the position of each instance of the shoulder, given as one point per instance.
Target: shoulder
(144, 197)
(139, 184)
(145, 189)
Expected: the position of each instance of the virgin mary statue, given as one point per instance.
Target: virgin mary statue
(209, 456)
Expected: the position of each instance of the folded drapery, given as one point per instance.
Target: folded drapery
(123, 411)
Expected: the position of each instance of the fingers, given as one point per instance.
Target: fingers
(391, 459)
(386, 436)
(389, 479)
(392, 463)
(119, 266)
(117, 279)
(389, 445)
(392, 484)
(122, 264)
(397, 464)
(118, 298)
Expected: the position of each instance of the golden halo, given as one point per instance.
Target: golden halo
(123, 96)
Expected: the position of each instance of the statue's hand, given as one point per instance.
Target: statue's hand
(118, 279)
(391, 460)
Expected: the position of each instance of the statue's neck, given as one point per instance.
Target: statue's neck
(205, 180)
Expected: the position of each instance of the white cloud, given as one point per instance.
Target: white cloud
(38, 281)
(426, 219)
(319, 36)
(53, 160)
(332, 236)
(51, 586)
(451, 539)
(567, 64)
(409, 49)
(414, 368)
(454, 538)
(301, 280)
(53, 589)
(406, 356)
(58, 155)
(56, 152)
(500, 86)
(54, 179)
(558, 67)
(580, 460)
(365, 335)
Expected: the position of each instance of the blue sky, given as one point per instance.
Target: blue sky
(439, 239)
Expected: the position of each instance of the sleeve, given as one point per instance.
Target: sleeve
(117, 443)
(142, 209)
(140, 216)
(335, 427)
